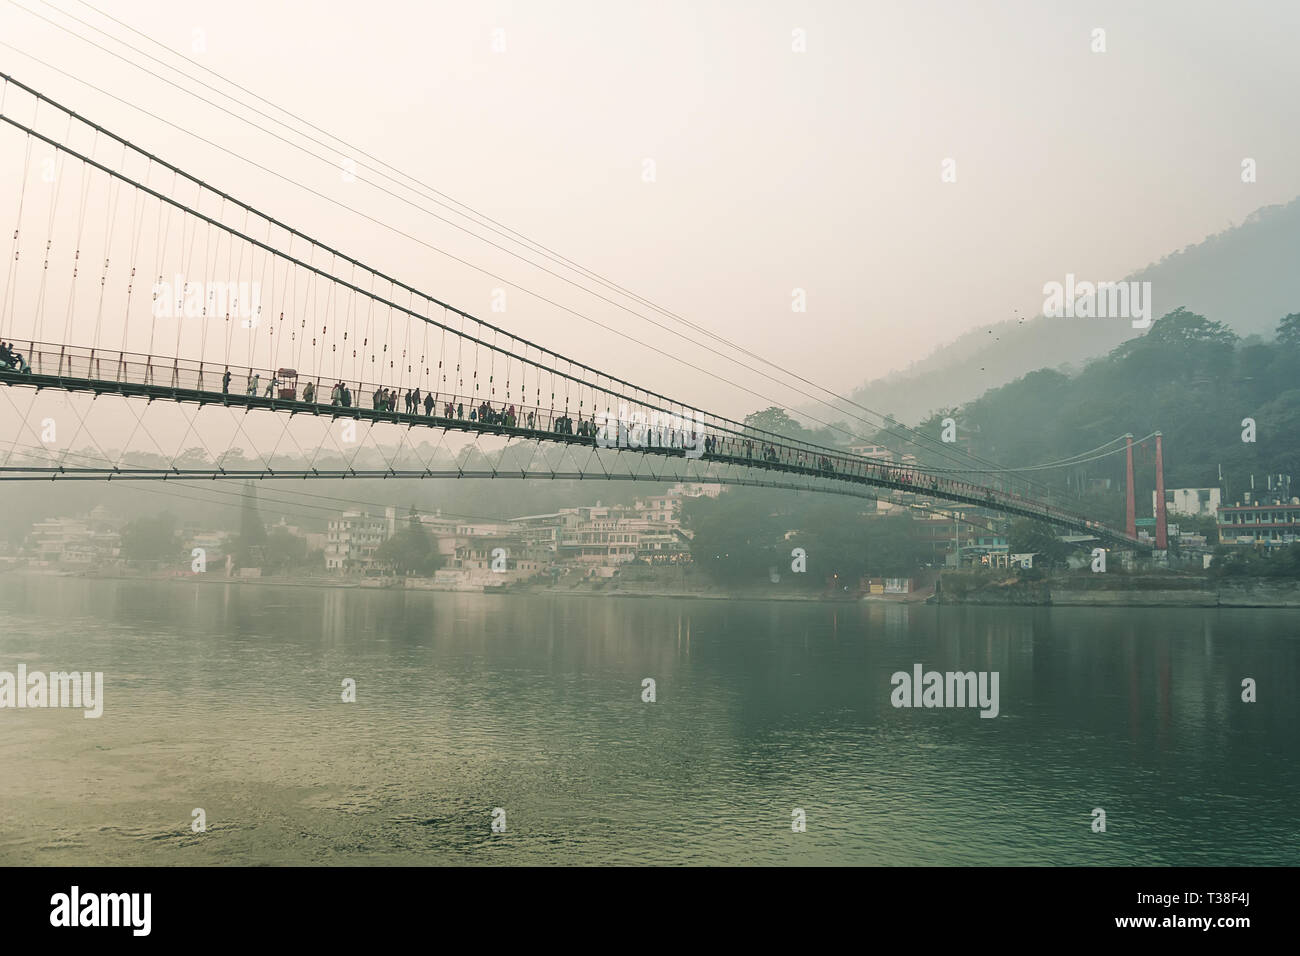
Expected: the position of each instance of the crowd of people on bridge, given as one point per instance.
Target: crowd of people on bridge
(485, 414)
(385, 399)
(725, 446)
(585, 428)
(414, 402)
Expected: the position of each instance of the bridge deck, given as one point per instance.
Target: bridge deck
(134, 375)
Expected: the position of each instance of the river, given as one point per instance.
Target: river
(227, 698)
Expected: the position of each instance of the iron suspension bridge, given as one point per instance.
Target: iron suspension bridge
(337, 334)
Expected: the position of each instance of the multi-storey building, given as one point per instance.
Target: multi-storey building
(540, 533)
(82, 541)
(495, 553)
(353, 538)
(1268, 523)
(601, 535)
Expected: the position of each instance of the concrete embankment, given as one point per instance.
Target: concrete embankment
(1073, 590)
(1260, 594)
(1117, 591)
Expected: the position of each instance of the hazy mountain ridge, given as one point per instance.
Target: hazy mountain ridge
(1247, 276)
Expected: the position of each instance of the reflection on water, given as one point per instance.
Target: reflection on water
(227, 697)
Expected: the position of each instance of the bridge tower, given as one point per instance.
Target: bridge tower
(1162, 528)
(1130, 511)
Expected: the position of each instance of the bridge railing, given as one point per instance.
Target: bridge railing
(221, 382)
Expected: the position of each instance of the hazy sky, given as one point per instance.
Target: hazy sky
(773, 169)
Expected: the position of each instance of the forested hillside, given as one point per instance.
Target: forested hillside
(1244, 276)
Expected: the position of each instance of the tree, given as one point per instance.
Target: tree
(412, 550)
(150, 539)
(1027, 536)
(1200, 524)
(832, 435)
(739, 537)
(252, 533)
(1181, 328)
(283, 551)
(743, 536)
(193, 457)
(1235, 562)
(778, 421)
(1288, 331)
(894, 549)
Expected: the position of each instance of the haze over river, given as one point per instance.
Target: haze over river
(227, 697)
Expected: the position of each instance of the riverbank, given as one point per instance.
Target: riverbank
(952, 588)
(1116, 590)
(639, 583)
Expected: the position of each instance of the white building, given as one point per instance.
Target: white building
(540, 533)
(1190, 501)
(76, 541)
(599, 535)
(353, 538)
(877, 452)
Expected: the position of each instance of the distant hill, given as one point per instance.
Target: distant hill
(1189, 377)
(1247, 277)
